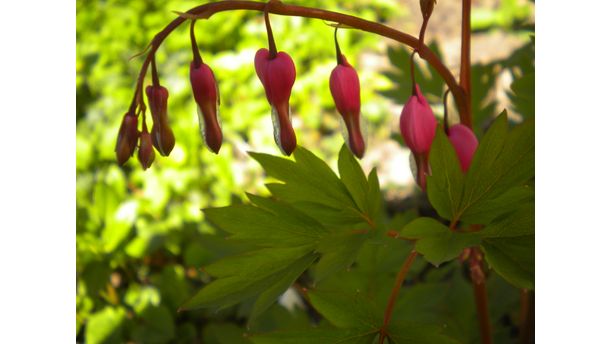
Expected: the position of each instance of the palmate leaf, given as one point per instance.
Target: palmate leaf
(496, 182)
(509, 246)
(502, 161)
(436, 242)
(291, 239)
(310, 185)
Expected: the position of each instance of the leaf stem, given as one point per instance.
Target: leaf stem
(480, 295)
(209, 9)
(399, 280)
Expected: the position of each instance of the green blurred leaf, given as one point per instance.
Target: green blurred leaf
(224, 333)
(436, 242)
(156, 325)
(417, 333)
(105, 326)
(519, 223)
(523, 95)
(445, 184)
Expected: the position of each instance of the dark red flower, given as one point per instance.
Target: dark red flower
(127, 138)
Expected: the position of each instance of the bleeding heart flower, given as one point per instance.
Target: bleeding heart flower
(344, 86)
(146, 154)
(163, 138)
(127, 138)
(465, 143)
(418, 123)
(277, 74)
(206, 95)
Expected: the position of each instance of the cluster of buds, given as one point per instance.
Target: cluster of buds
(418, 128)
(277, 73)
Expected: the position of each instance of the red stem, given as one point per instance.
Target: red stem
(399, 280)
(465, 79)
(207, 10)
(480, 295)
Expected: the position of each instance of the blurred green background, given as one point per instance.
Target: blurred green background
(141, 237)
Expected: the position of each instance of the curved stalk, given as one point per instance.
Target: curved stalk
(207, 10)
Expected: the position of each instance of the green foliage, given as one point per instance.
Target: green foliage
(436, 242)
(145, 248)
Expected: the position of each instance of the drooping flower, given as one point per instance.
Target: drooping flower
(162, 136)
(146, 154)
(277, 74)
(127, 138)
(418, 123)
(465, 143)
(206, 95)
(345, 89)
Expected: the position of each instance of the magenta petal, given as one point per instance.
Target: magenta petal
(465, 143)
(345, 89)
(278, 76)
(418, 124)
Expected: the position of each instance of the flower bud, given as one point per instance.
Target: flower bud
(418, 123)
(427, 7)
(146, 154)
(127, 138)
(163, 138)
(277, 74)
(344, 86)
(206, 95)
(465, 143)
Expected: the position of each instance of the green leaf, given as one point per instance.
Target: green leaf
(523, 95)
(436, 242)
(263, 227)
(445, 185)
(224, 333)
(338, 252)
(513, 258)
(345, 310)
(156, 325)
(417, 333)
(307, 179)
(519, 223)
(290, 274)
(502, 161)
(375, 199)
(318, 336)
(238, 283)
(353, 178)
(105, 326)
(490, 209)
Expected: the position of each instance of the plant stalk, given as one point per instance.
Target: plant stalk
(480, 295)
(209, 9)
(465, 78)
(399, 280)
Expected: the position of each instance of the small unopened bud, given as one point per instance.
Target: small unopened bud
(163, 138)
(418, 124)
(206, 95)
(146, 154)
(465, 143)
(277, 74)
(427, 7)
(127, 138)
(345, 89)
